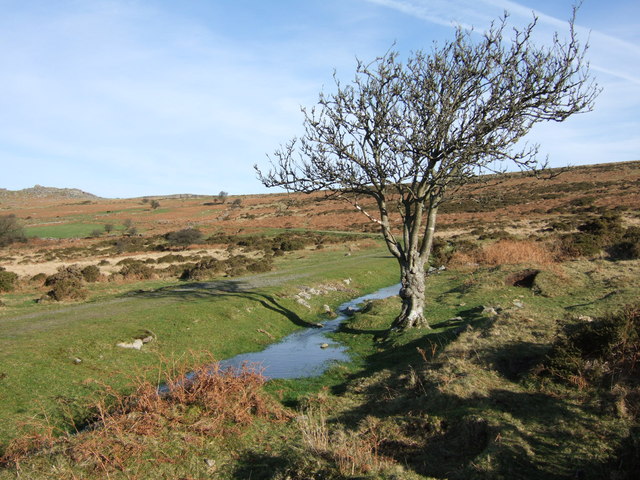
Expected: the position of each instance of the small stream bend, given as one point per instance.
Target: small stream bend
(301, 354)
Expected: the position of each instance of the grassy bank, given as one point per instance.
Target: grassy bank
(475, 397)
(54, 357)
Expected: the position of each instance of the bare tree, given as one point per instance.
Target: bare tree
(406, 135)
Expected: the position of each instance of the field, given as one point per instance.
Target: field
(530, 369)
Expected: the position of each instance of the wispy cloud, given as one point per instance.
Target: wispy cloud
(609, 54)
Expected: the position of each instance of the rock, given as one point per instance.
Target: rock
(43, 299)
(210, 463)
(324, 345)
(350, 310)
(77, 360)
(303, 302)
(136, 344)
(147, 339)
(489, 311)
(585, 318)
(518, 304)
(347, 281)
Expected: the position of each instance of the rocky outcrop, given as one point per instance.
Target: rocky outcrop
(38, 191)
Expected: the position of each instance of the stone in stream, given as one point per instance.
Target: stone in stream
(324, 345)
(329, 312)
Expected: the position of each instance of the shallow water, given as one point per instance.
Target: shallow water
(300, 354)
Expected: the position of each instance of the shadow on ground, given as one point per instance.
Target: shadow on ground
(220, 289)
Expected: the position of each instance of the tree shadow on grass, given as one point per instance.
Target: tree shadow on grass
(390, 353)
(223, 289)
(259, 466)
(508, 432)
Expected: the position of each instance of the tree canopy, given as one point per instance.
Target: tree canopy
(407, 134)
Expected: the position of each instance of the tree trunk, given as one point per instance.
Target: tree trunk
(412, 295)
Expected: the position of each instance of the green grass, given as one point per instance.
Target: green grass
(134, 210)
(474, 409)
(459, 401)
(39, 343)
(63, 230)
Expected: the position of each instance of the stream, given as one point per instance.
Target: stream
(301, 354)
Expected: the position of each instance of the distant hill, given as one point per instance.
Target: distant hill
(38, 191)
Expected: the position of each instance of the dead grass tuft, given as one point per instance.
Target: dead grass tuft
(511, 252)
(505, 252)
(354, 452)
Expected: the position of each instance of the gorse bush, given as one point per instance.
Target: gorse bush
(39, 279)
(67, 284)
(599, 352)
(580, 245)
(137, 270)
(628, 248)
(594, 236)
(443, 251)
(285, 242)
(8, 280)
(203, 270)
(235, 265)
(607, 227)
(91, 273)
(171, 258)
(10, 230)
(185, 237)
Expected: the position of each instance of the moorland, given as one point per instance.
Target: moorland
(530, 370)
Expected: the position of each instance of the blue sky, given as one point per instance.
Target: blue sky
(131, 98)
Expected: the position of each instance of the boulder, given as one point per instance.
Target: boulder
(136, 344)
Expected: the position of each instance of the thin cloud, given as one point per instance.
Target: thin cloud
(608, 54)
